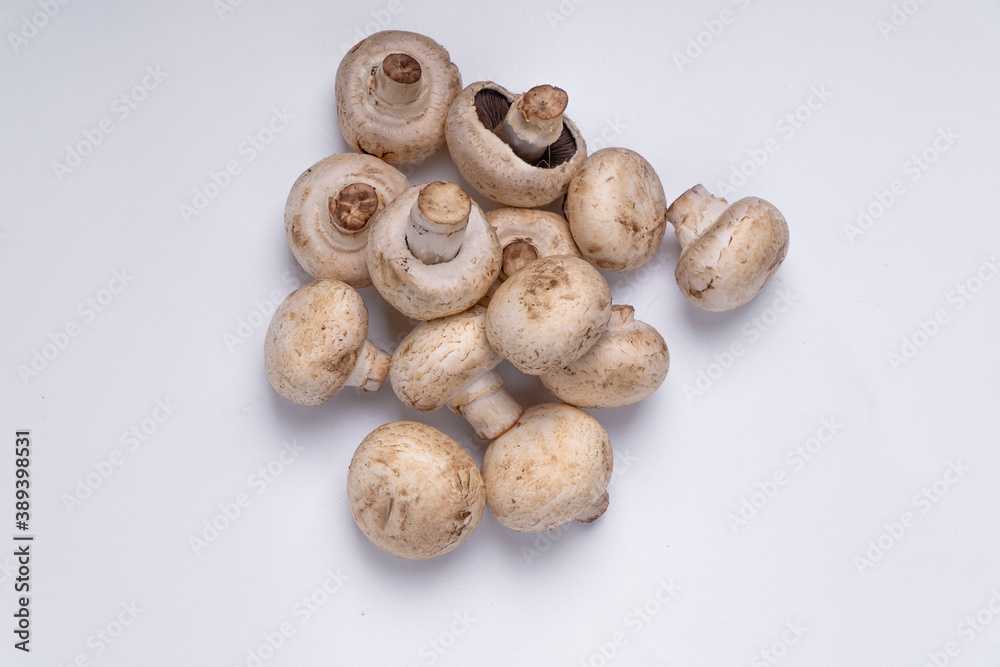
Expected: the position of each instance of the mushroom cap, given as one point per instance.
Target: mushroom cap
(627, 364)
(413, 491)
(323, 248)
(313, 341)
(547, 232)
(551, 467)
(396, 133)
(428, 291)
(548, 314)
(616, 209)
(437, 359)
(735, 258)
(491, 166)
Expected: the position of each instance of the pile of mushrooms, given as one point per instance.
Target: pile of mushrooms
(515, 283)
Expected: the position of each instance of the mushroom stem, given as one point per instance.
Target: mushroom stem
(437, 222)
(487, 406)
(370, 370)
(622, 317)
(534, 121)
(516, 255)
(694, 212)
(352, 207)
(398, 79)
(594, 511)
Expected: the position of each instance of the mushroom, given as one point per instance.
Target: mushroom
(328, 210)
(431, 252)
(551, 467)
(393, 92)
(616, 209)
(449, 361)
(728, 252)
(548, 314)
(526, 234)
(627, 364)
(316, 344)
(517, 150)
(413, 491)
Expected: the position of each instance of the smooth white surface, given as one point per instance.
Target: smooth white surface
(685, 463)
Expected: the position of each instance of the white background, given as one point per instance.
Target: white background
(667, 576)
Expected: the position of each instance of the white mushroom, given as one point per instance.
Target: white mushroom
(517, 150)
(316, 344)
(616, 209)
(548, 314)
(431, 252)
(728, 252)
(328, 210)
(627, 364)
(527, 234)
(413, 491)
(393, 92)
(551, 467)
(449, 361)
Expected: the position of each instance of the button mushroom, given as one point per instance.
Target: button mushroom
(316, 344)
(616, 209)
(328, 210)
(728, 252)
(449, 361)
(551, 467)
(627, 364)
(548, 314)
(413, 491)
(517, 150)
(527, 234)
(431, 252)
(393, 92)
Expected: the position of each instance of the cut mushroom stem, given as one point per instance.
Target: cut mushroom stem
(370, 370)
(534, 121)
(437, 222)
(352, 207)
(399, 79)
(487, 406)
(694, 212)
(516, 255)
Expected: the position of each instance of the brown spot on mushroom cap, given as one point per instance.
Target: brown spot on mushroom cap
(551, 467)
(491, 166)
(413, 491)
(548, 314)
(628, 363)
(616, 209)
(313, 341)
(352, 207)
(735, 257)
(401, 68)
